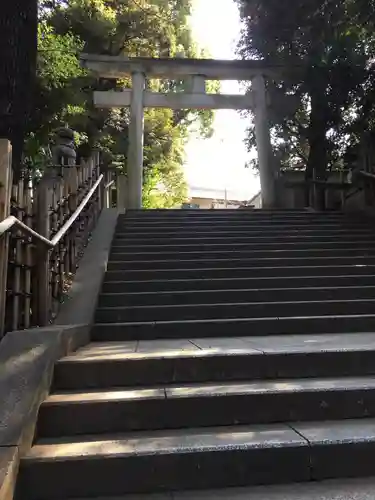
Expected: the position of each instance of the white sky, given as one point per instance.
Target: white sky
(219, 162)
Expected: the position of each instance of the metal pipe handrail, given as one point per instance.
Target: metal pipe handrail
(61, 233)
(110, 184)
(366, 174)
(12, 221)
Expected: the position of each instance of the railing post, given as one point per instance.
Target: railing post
(18, 256)
(5, 191)
(43, 254)
(101, 192)
(73, 204)
(95, 166)
(107, 191)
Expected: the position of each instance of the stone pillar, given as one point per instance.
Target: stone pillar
(262, 133)
(135, 150)
(198, 85)
(121, 185)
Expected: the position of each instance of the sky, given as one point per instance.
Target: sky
(219, 162)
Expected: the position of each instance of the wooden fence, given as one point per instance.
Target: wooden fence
(62, 208)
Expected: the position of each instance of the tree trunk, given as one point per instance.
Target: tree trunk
(18, 50)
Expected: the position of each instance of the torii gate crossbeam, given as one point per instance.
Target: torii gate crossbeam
(196, 71)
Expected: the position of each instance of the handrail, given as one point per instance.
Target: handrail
(60, 234)
(11, 221)
(367, 174)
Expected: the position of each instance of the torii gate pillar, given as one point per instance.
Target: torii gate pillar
(263, 141)
(135, 148)
(198, 71)
(136, 139)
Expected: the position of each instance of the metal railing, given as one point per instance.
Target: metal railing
(43, 236)
(12, 221)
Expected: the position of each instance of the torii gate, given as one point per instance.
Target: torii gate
(197, 71)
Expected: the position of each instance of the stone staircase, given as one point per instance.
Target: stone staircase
(230, 348)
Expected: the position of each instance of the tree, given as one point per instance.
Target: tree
(324, 53)
(58, 95)
(361, 127)
(152, 28)
(18, 46)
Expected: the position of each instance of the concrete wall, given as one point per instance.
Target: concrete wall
(293, 196)
(204, 203)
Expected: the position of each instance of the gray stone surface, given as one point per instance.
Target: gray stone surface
(167, 496)
(167, 442)
(113, 395)
(99, 350)
(314, 343)
(162, 346)
(337, 432)
(225, 345)
(79, 307)
(9, 459)
(248, 345)
(351, 489)
(27, 359)
(281, 386)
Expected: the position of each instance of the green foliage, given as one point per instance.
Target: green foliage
(58, 95)
(144, 28)
(323, 51)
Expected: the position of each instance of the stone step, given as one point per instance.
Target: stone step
(344, 323)
(206, 405)
(229, 212)
(215, 332)
(155, 286)
(334, 489)
(260, 239)
(240, 262)
(210, 223)
(157, 461)
(102, 365)
(251, 245)
(330, 269)
(229, 232)
(131, 256)
(122, 239)
(226, 310)
(221, 214)
(235, 296)
(239, 225)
